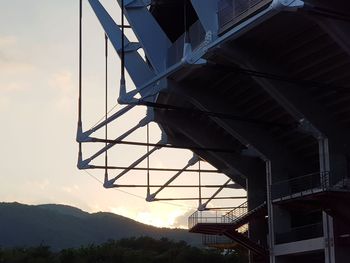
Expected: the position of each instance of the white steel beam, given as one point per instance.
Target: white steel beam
(152, 38)
(137, 68)
(207, 14)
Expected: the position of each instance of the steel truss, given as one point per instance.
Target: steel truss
(147, 100)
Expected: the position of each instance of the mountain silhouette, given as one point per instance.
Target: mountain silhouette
(61, 226)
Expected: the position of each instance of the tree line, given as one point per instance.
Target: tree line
(131, 250)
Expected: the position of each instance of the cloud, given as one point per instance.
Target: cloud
(120, 210)
(12, 60)
(38, 185)
(63, 84)
(162, 215)
(4, 103)
(9, 91)
(151, 219)
(181, 221)
(62, 81)
(12, 87)
(70, 189)
(157, 214)
(6, 41)
(12, 67)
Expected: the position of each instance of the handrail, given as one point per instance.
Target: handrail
(206, 216)
(309, 182)
(223, 217)
(300, 233)
(300, 177)
(237, 212)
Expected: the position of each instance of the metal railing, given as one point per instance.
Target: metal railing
(314, 182)
(237, 212)
(228, 217)
(218, 216)
(240, 212)
(300, 233)
(208, 216)
(231, 12)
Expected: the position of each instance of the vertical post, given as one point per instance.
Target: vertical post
(185, 23)
(80, 62)
(148, 176)
(187, 41)
(271, 240)
(122, 66)
(199, 183)
(325, 183)
(106, 105)
(80, 76)
(324, 162)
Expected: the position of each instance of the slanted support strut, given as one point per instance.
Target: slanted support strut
(84, 164)
(191, 162)
(110, 183)
(203, 206)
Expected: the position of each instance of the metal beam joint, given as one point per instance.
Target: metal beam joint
(136, 3)
(287, 5)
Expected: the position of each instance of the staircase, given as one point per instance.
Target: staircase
(246, 242)
(243, 219)
(232, 225)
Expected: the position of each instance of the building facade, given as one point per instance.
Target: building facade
(269, 80)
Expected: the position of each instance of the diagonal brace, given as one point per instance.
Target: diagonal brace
(191, 162)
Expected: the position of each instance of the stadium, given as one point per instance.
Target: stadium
(260, 90)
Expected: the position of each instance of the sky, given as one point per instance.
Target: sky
(38, 115)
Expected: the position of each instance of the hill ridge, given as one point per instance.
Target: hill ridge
(63, 226)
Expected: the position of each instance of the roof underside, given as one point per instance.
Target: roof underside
(170, 15)
(293, 45)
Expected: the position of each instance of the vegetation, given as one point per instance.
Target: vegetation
(131, 250)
